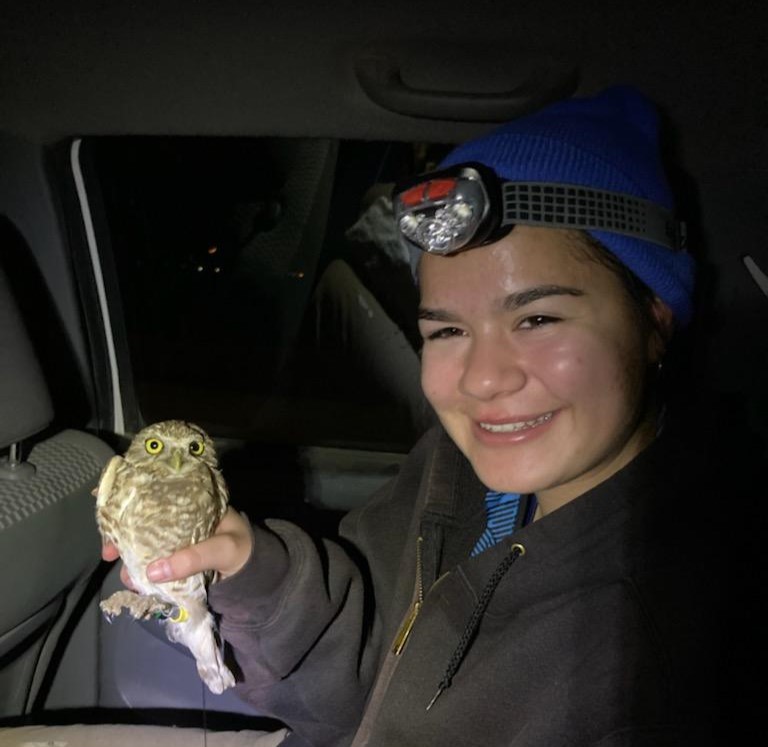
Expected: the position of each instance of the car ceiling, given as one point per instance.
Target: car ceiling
(287, 67)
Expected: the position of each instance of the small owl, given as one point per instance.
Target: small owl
(166, 493)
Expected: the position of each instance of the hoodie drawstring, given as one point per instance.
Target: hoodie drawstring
(474, 621)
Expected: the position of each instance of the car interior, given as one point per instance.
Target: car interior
(195, 223)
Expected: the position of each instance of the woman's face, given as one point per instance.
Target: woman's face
(535, 361)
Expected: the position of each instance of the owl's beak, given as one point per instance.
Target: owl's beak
(177, 459)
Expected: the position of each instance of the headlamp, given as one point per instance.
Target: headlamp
(468, 205)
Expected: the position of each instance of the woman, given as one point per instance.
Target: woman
(525, 580)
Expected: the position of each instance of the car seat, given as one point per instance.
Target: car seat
(49, 545)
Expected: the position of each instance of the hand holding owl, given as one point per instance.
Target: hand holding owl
(167, 494)
(226, 551)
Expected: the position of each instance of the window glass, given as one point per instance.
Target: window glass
(260, 288)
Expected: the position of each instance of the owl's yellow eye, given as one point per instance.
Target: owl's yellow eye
(196, 448)
(153, 445)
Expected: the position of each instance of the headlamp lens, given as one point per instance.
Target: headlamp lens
(442, 215)
(444, 231)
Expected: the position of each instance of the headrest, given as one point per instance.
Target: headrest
(25, 405)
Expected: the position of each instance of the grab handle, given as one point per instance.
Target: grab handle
(381, 80)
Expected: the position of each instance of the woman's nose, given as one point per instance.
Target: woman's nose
(491, 368)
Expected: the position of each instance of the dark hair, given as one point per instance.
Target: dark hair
(640, 294)
(664, 384)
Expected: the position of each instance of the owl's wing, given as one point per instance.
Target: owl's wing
(220, 492)
(106, 486)
(106, 513)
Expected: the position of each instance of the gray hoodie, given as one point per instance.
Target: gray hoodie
(591, 626)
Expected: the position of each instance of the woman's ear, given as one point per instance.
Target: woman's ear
(663, 327)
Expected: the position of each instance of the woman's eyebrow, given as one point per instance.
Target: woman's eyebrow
(509, 303)
(437, 315)
(515, 300)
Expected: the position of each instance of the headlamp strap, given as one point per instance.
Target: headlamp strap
(582, 208)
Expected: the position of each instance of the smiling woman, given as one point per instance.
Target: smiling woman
(540, 379)
(534, 566)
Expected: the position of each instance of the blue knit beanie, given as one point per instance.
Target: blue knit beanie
(606, 142)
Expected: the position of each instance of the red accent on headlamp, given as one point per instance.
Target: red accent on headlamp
(437, 189)
(414, 195)
(434, 189)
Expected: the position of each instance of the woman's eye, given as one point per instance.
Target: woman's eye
(444, 333)
(536, 321)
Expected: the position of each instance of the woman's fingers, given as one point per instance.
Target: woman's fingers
(109, 552)
(225, 552)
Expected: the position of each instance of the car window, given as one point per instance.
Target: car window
(260, 289)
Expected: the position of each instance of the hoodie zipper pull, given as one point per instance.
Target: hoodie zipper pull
(405, 629)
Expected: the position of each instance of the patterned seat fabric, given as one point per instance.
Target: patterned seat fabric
(49, 545)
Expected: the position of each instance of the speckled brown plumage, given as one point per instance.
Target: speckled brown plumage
(166, 493)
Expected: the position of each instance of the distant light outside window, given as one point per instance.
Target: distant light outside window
(255, 299)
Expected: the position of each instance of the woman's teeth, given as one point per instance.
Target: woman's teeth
(514, 427)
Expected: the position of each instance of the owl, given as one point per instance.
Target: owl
(166, 493)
